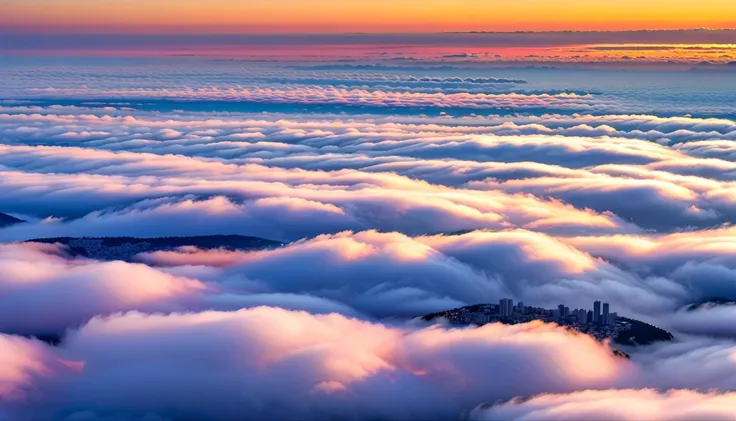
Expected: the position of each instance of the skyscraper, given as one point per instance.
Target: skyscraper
(506, 307)
(604, 320)
(582, 316)
(561, 311)
(596, 312)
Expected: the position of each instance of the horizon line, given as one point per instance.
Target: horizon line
(27, 31)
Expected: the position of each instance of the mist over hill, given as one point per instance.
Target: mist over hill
(126, 248)
(712, 302)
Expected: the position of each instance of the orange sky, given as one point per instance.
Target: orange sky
(360, 15)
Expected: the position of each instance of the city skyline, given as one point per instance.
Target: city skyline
(596, 315)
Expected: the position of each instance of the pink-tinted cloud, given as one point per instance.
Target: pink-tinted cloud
(649, 404)
(343, 367)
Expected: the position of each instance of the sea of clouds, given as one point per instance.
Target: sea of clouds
(421, 192)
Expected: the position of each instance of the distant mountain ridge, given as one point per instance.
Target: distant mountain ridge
(7, 220)
(126, 248)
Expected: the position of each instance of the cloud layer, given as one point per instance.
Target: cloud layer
(647, 404)
(268, 363)
(261, 364)
(400, 191)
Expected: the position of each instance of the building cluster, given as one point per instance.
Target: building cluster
(584, 317)
(598, 321)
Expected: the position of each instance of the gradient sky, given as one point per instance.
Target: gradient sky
(294, 16)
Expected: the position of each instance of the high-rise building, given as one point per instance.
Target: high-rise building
(590, 316)
(612, 317)
(520, 308)
(582, 316)
(596, 312)
(604, 320)
(561, 311)
(506, 307)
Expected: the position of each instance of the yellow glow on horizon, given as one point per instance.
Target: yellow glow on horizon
(364, 15)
